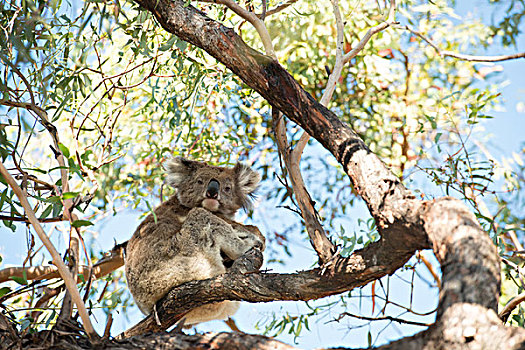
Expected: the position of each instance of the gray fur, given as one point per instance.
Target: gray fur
(184, 242)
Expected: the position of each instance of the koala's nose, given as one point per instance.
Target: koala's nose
(213, 189)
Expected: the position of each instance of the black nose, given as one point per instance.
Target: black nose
(213, 189)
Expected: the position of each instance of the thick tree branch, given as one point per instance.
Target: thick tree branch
(469, 261)
(466, 316)
(343, 274)
(371, 179)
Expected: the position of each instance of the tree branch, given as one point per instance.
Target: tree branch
(277, 9)
(511, 305)
(26, 220)
(460, 56)
(383, 318)
(57, 260)
(256, 21)
(104, 266)
(373, 31)
(343, 274)
(324, 248)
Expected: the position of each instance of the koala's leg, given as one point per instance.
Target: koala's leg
(215, 311)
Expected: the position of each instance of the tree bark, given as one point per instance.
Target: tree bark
(470, 263)
(397, 213)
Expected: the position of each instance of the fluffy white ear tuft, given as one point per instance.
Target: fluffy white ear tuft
(178, 169)
(247, 178)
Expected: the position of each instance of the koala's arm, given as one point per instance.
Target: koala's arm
(227, 237)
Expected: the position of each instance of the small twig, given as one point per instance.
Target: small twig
(43, 302)
(263, 14)
(430, 268)
(277, 9)
(254, 20)
(230, 322)
(107, 329)
(511, 305)
(471, 58)
(26, 220)
(390, 19)
(519, 270)
(57, 260)
(29, 106)
(383, 318)
(28, 86)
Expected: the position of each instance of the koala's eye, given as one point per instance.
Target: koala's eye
(200, 182)
(227, 189)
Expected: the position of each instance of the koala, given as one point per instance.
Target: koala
(192, 235)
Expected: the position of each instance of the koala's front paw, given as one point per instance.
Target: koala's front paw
(239, 240)
(251, 261)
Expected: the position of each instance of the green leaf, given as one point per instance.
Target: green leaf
(181, 45)
(57, 208)
(79, 223)
(20, 280)
(4, 291)
(168, 44)
(38, 170)
(64, 150)
(69, 195)
(46, 212)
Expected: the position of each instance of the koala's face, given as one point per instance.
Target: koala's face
(219, 189)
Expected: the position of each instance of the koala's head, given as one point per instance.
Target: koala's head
(222, 190)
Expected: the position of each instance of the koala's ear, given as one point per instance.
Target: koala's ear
(178, 169)
(247, 178)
